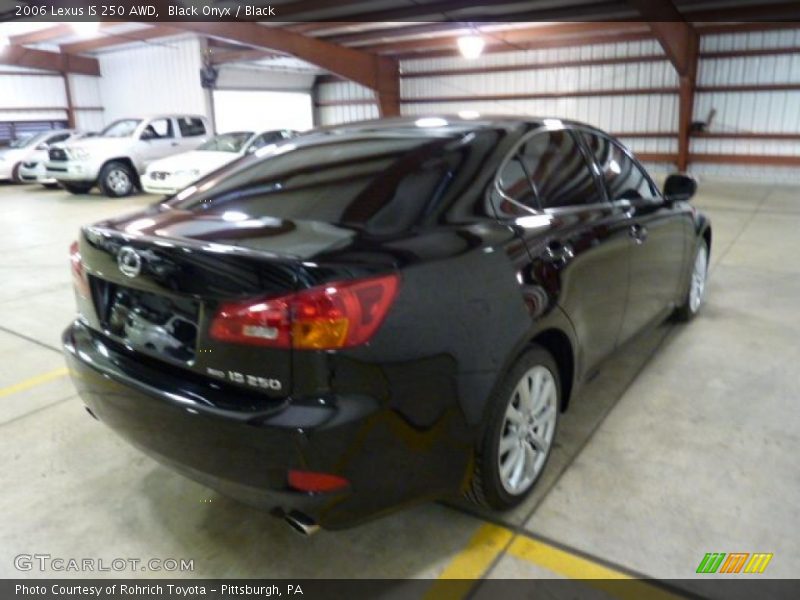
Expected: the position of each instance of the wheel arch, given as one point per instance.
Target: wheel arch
(128, 162)
(559, 345)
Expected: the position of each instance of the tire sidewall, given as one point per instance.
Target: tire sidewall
(106, 171)
(495, 493)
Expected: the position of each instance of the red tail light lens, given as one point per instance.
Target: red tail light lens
(336, 315)
(79, 278)
(306, 481)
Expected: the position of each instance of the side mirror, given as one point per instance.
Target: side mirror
(679, 187)
(147, 135)
(251, 149)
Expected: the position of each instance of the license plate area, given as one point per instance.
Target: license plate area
(162, 326)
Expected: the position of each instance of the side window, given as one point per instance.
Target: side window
(270, 137)
(515, 184)
(559, 171)
(191, 127)
(624, 179)
(159, 129)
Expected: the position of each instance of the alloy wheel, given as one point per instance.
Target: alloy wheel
(528, 429)
(119, 181)
(699, 273)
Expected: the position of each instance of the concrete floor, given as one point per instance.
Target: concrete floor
(686, 442)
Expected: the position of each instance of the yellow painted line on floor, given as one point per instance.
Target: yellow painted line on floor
(471, 563)
(491, 541)
(33, 382)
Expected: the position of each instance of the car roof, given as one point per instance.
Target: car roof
(454, 124)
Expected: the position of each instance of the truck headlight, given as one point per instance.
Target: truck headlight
(78, 153)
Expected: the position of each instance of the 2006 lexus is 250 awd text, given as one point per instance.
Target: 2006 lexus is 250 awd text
(381, 313)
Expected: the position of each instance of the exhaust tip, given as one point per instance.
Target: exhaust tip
(302, 524)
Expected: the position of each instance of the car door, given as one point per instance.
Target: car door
(193, 132)
(657, 234)
(576, 239)
(157, 139)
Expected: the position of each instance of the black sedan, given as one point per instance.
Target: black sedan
(376, 314)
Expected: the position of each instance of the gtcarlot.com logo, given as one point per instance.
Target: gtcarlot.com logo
(733, 563)
(58, 564)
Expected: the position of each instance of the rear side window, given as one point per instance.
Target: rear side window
(624, 179)
(558, 170)
(191, 126)
(515, 183)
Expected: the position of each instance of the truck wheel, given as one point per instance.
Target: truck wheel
(78, 188)
(117, 180)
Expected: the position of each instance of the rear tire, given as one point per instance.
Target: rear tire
(78, 188)
(117, 180)
(697, 285)
(519, 434)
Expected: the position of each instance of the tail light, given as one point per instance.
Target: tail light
(307, 481)
(335, 315)
(79, 278)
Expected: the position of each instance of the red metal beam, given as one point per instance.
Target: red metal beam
(777, 160)
(357, 66)
(49, 61)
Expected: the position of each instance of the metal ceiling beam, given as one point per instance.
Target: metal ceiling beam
(681, 43)
(116, 39)
(49, 61)
(374, 72)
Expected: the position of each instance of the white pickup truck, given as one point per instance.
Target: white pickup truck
(116, 158)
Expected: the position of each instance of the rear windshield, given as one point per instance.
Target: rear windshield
(385, 182)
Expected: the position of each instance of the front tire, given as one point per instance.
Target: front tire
(697, 285)
(117, 180)
(78, 188)
(520, 432)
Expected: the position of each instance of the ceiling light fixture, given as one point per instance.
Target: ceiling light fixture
(471, 46)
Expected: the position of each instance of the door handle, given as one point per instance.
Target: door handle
(639, 233)
(558, 253)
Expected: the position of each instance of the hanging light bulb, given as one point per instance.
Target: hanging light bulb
(471, 46)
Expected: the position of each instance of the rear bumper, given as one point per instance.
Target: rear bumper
(246, 453)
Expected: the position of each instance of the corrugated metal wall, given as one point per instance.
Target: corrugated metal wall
(85, 91)
(30, 91)
(633, 113)
(740, 111)
(153, 78)
(340, 92)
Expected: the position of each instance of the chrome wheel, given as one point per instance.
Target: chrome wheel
(698, 286)
(528, 429)
(119, 181)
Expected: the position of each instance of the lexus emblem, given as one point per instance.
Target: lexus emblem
(129, 262)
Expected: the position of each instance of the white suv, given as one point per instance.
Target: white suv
(116, 158)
